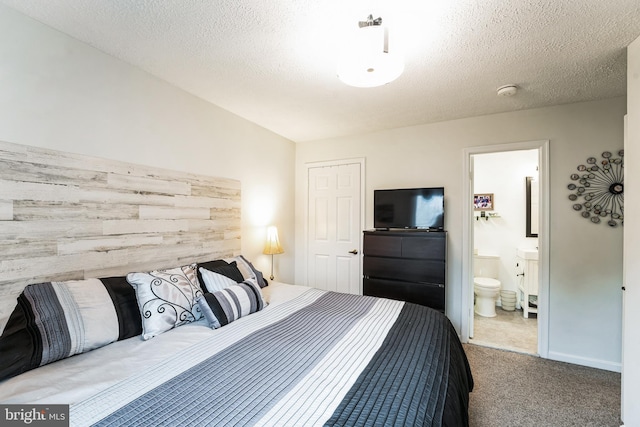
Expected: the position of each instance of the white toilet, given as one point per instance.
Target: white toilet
(486, 286)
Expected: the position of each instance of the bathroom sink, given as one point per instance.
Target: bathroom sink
(527, 253)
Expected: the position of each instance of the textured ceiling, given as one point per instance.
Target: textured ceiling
(273, 61)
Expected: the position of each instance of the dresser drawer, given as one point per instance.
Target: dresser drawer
(429, 295)
(410, 270)
(380, 245)
(432, 246)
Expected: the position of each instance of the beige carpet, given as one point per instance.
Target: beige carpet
(513, 389)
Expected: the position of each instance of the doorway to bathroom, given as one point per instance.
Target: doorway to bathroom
(505, 247)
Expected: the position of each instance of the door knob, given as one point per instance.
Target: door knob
(355, 252)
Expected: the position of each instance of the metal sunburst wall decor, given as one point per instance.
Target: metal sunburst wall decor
(602, 188)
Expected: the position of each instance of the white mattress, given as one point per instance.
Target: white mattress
(79, 377)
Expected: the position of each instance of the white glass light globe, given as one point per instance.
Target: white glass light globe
(364, 62)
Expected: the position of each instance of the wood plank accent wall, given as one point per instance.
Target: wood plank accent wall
(66, 216)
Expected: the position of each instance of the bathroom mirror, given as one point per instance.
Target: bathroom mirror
(533, 205)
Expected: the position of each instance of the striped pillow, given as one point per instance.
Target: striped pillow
(248, 271)
(230, 270)
(214, 281)
(221, 267)
(56, 320)
(231, 303)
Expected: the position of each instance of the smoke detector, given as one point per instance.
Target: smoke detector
(507, 90)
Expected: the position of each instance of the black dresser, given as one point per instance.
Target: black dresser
(406, 265)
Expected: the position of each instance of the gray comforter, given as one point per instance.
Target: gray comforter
(322, 359)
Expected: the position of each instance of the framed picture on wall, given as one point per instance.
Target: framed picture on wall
(483, 202)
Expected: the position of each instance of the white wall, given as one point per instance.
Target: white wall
(62, 94)
(631, 368)
(503, 234)
(586, 259)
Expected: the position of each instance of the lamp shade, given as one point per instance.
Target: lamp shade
(272, 245)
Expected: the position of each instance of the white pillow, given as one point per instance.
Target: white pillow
(247, 270)
(214, 281)
(166, 298)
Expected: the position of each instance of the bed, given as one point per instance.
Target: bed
(286, 355)
(310, 357)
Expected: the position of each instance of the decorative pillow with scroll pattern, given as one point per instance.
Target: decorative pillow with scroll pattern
(166, 298)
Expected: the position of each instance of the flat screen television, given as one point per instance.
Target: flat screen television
(409, 208)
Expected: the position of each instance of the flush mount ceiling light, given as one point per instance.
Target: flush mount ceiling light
(367, 60)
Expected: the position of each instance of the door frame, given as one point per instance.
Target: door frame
(543, 237)
(329, 163)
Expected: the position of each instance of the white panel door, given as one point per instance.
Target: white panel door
(333, 258)
(469, 278)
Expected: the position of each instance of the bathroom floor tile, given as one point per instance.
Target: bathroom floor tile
(508, 330)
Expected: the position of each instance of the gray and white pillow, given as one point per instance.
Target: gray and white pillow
(56, 320)
(248, 271)
(166, 298)
(231, 303)
(214, 281)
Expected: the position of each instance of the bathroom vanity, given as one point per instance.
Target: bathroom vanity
(527, 275)
(406, 265)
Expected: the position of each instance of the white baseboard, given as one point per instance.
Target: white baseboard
(584, 361)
